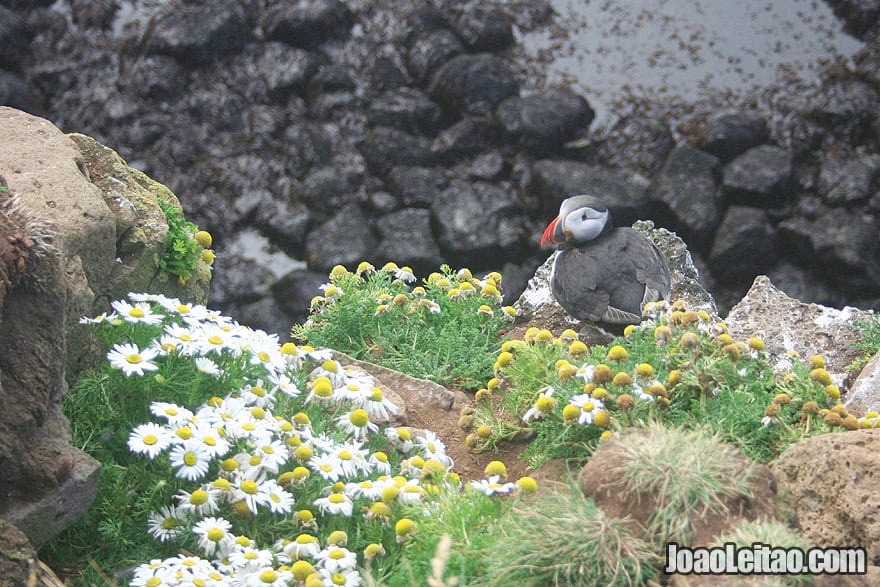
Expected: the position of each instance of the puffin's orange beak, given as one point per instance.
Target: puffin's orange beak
(547, 238)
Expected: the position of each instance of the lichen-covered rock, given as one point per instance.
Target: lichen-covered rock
(19, 565)
(785, 324)
(833, 484)
(864, 394)
(79, 227)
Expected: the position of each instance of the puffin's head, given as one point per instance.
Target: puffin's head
(581, 219)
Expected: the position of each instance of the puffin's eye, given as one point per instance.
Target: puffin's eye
(584, 216)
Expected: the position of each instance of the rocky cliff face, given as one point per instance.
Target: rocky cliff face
(412, 132)
(77, 228)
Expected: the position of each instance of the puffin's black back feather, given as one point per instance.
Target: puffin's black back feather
(611, 277)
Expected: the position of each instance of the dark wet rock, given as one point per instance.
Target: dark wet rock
(800, 283)
(327, 189)
(384, 148)
(197, 34)
(345, 239)
(382, 202)
(762, 176)
(157, 77)
(270, 72)
(332, 77)
(544, 121)
(466, 137)
(307, 144)
(335, 106)
(294, 290)
(637, 142)
(860, 17)
(809, 206)
(474, 83)
(16, 34)
(210, 102)
(265, 314)
(489, 166)
(384, 75)
(429, 50)
(307, 24)
(733, 133)
(406, 109)
(485, 28)
(744, 246)
(867, 61)
(286, 223)
(841, 245)
(406, 239)
(240, 175)
(425, 18)
(687, 188)
(848, 102)
(238, 279)
(16, 92)
(555, 180)
(845, 180)
(416, 186)
(94, 13)
(874, 202)
(477, 222)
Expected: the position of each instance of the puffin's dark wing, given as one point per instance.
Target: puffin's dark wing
(576, 277)
(649, 264)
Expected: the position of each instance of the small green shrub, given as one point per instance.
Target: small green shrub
(444, 330)
(182, 250)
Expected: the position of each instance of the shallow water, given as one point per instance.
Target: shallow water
(674, 52)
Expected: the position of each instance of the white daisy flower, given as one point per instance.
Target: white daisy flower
(405, 274)
(256, 394)
(173, 413)
(356, 424)
(165, 524)
(215, 339)
(335, 504)
(589, 406)
(366, 489)
(154, 574)
(401, 438)
(214, 442)
(303, 546)
(585, 372)
(190, 460)
(149, 439)
(328, 466)
(336, 558)
(283, 383)
(278, 500)
(250, 490)
(207, 366)
(348, 578)
(202, 501)
(433, 447)
(101, 318)
(377, 405)
(138, 313)
(182, 337)
(492, 486)
(267, 576)
(211, 532)
(542, 406)
(378, 461)
(132, 360)
(250, 557)
(272, 454)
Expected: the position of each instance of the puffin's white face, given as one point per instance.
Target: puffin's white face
(584, 224)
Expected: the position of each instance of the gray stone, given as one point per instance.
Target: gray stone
(294, 290)
(416, 186)
(744, 246)
(406, 109)
(687, 188)
(271, 71)
(731, 134)
(345, 239)
(847, 180)
(761, 176)
(200, 33)
(429, 50)
(325, 190)
(637, 142)
(406, 239)
(307, 24)
(553, 180)
(485, 28)
(384, 148)
(465, 138)
(473, 83)
(542, 122)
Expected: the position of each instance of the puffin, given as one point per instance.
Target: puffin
(602, 273)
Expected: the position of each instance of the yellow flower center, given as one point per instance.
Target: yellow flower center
(258, 413)
(153, 582)
(337, 554)
(184, 432)
(250, 555)
(264, 356)
(210, 441)
(134, 359)
(185, 338)
(268, 449)
(249, 487)
(198, 497)
(336, 498)
(255, 460)
(190, 458)
(268, 576)
(136, 313)
(215, 534)
(344, 455)
(258, 391)
(215, 339)
(150, 439)
(169, 523)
